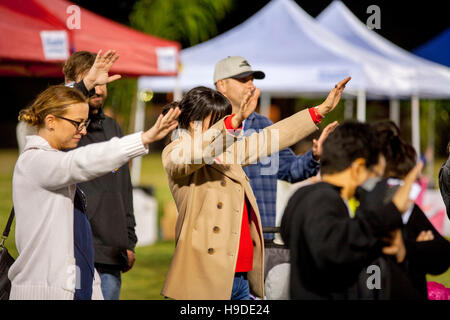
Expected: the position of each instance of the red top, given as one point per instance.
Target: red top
(245, 255)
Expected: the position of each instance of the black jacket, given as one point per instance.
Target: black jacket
(424, 257)
(329, 250)
(109, 203)
(444, 184)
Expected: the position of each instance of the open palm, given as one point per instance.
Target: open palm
(163, 126)
(317, 144)
(98, 74)
(333, 97)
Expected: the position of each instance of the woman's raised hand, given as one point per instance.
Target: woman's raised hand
(333, 98)
(163, 126)
(98, 74)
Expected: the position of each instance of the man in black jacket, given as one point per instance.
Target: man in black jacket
(330, 249)
(109, 198)
(444, 182)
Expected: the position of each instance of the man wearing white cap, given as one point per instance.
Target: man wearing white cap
(233, 76)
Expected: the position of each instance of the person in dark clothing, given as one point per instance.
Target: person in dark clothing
(427, 251)
(444, 182)
(83, 248)
(109, 198)
(329, 249)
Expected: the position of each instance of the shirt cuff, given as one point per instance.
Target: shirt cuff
(315, 115)
(82, 87)
(228, 124)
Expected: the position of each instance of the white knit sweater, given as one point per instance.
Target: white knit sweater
(44, 185)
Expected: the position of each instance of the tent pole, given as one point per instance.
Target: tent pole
(177, 92)
(394, 111)
(139, 123)
(348, 109)
(415, 124)
(431, 140)
(264, 106)
(361, 106)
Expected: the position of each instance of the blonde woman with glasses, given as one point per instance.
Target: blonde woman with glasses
(45, 194)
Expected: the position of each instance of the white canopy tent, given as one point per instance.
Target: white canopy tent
(297, 55)
(430, 80)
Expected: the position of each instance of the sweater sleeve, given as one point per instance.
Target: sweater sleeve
(82, 87)
(430, 256)
(444, 185)
(53, 169)
(295, 168)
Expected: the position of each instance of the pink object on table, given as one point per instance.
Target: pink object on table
(437, 291)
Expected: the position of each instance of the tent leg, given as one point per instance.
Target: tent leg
(431, 140)
(348, 109)
(264, 106)
(177, 92)
(139, 123)
(415, 124)
(394, 111)
(361, 106)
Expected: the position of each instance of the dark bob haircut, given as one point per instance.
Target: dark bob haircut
(198, 103)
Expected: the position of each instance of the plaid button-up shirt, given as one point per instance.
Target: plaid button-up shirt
(284, 165)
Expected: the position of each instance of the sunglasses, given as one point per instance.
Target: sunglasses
(79, 125)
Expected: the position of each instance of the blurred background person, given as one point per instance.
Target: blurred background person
(110, 196)
(428, 252)
(444, 182)
(233, 76)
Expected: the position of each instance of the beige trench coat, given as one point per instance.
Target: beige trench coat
(210, 199)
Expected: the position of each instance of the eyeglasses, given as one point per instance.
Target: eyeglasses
(79, 125)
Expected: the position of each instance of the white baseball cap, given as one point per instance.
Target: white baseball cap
(235, 67)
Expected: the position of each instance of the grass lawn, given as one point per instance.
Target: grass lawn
(146, 278)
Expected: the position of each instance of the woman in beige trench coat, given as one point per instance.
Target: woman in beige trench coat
(203, 164)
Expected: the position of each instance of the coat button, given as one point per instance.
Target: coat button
(216, 229)
(211, 251)
(219, 205)
(223, 183)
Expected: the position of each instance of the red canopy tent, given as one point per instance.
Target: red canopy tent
(38, 35)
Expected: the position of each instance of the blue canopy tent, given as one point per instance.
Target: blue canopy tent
(430, 80)
(437, 49)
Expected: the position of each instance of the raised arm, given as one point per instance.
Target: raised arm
(55, 169)
(187, 154)
(98, 74)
